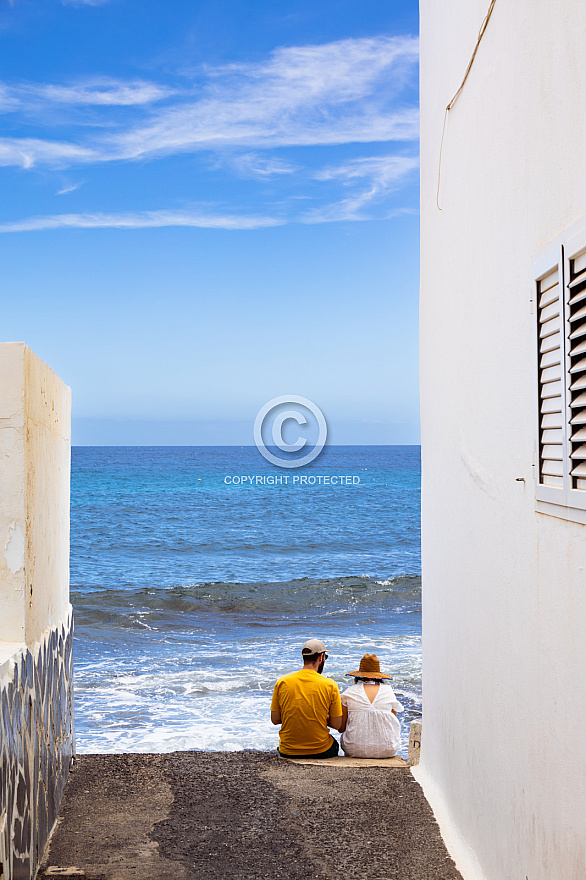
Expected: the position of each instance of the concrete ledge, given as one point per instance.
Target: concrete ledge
(343, 761)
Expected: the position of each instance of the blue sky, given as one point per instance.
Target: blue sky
(205, 205)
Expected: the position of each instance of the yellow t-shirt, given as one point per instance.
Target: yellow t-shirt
(305, 699)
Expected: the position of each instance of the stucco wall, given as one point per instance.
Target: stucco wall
(12, 494)
(35, 418)
(48, 455)
(504, 587)
(36, 698)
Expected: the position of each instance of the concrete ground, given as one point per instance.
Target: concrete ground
(244, 815)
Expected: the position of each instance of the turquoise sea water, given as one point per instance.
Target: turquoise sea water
(196, 576)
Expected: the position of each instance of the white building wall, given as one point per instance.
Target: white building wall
(504, 739)
(37, 735)
(35, 419)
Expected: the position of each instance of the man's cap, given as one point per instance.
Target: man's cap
(313, 646)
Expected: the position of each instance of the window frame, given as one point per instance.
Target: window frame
(558, 253)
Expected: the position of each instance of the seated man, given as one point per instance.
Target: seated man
(305, 704)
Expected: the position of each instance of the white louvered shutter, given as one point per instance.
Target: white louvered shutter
(576, 364)
(559, 273)
(551, 379)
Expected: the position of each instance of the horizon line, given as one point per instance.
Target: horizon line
(214, 445)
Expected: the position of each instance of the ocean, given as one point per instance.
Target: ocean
(198, 572)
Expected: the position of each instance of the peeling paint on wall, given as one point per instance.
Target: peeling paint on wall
(14, 549)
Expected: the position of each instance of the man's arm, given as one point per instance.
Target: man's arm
(275, 705)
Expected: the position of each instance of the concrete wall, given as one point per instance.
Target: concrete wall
(35, 418)
(36, 718)
(503, 756)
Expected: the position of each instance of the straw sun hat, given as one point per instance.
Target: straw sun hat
(369, 668)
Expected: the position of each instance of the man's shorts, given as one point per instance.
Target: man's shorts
(331, 753)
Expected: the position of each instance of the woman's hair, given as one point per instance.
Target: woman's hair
(368, 680)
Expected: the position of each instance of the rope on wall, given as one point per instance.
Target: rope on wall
(483, 27)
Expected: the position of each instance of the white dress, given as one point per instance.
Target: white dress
(372, 731)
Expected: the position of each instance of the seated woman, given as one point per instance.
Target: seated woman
(370, 727)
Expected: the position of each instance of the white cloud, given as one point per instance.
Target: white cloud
(139, 220)
(8, 100)
(254, 165)
(385, 170)
(383, 173)
(84, 2)
(26, 152)
(102, 92)
(329, 94)
(336, 93)
(68, 189)
(197, 219)
(332, 94)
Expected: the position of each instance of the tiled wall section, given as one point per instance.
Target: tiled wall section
(38, 741)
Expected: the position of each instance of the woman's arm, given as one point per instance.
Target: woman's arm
(342, 726)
